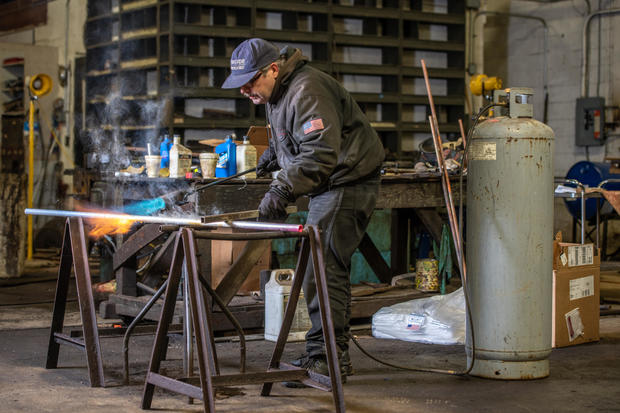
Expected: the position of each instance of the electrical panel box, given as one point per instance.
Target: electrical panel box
(590, 122)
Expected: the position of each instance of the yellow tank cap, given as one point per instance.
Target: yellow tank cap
(481, 83)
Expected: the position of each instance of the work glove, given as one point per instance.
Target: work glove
(267, 163)
(272, 207)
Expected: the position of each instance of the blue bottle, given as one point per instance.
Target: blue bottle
(164, 151)
(227, 158)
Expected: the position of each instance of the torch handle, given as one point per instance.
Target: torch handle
(221, 181)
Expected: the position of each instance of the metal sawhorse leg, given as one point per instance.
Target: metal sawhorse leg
(185, 247)
(74, 252)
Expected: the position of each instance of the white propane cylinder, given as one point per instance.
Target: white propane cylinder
(510, 242)
(246, 157)
(277, 292)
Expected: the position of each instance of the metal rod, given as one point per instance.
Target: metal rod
(444, 173)
(188, 331)
(236, 325)
(109, 215)
(133, 324)
(584, 47)
(545, 42)
(222, 180)
(264, 226)
(583, 216)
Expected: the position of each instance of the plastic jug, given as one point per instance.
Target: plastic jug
(180, 159)
(246, 157)
(277, 292)
(164, 152)
(227, 158)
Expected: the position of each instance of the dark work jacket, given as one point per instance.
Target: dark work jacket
(320, 136)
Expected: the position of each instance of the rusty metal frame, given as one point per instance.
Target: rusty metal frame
(185, 248)
(74, 252)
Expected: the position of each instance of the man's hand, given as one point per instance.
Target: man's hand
(272, 207)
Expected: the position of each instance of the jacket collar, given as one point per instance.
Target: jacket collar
(294, 60)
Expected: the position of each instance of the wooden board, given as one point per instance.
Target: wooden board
(610, 285)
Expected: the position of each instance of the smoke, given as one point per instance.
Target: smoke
(116, 123)
(154, 112)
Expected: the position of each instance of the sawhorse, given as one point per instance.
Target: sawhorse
(185, 248)
(74, 252)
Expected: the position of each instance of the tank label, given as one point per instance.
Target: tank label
(580, 255)
(480, 151)
(581, 287)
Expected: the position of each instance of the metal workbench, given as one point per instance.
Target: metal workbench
(408, 196)
(405, 194)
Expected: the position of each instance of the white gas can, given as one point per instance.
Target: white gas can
(277, 292)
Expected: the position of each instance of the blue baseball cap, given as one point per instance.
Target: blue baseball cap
(247, 59)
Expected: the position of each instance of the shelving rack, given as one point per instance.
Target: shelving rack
(143, 52)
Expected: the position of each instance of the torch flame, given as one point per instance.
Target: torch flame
(110, 226)
(106, 226)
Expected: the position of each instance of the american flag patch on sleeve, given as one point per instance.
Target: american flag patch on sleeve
(314, 124)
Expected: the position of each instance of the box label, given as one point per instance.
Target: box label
(581, 287)
(415, 321)
(483, 151)
(580, 255)
(574, 324)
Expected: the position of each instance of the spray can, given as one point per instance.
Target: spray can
(164, 152)
(246, 157)
(180, 159)
(227, 158)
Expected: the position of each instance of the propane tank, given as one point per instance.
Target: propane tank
(510, 241)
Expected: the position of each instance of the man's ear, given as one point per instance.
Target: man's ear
(276, 70)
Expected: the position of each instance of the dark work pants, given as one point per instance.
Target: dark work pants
(342, 214)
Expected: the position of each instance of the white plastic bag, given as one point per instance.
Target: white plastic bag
(439, 319)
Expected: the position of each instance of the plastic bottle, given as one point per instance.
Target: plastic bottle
(277, 293)
(246, 157)
(180, 159)
(164, 152)
(227, 158)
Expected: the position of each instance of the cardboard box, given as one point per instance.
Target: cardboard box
(259, 150)
(224, 253)
(259, 135)
(576, 294)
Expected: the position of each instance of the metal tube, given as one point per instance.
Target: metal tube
(584, 48)
(133, 324)
(30, 174)
(110, 215)
(598, 218)
(188, 331)
(583, 217)
(265, 226)
(68, 84)
(521, 16)
(218, 300)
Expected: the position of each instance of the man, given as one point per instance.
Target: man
(326, 149)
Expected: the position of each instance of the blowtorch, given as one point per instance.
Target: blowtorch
(151, 206)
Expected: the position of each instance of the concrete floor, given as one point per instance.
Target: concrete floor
(583, 378)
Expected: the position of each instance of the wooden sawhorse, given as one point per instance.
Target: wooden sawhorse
(74, 252)
(185, 248)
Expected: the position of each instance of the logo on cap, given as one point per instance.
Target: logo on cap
(237, 64)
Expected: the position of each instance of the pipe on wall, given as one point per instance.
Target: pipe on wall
(545, 45)
(584, 47)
